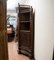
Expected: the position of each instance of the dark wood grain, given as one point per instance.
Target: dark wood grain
(25, 30)
(3, 35)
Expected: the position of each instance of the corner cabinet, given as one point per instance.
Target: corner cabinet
(25, 30)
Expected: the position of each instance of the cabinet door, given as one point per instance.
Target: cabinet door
(3, 40)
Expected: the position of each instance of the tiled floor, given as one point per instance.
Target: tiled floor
(13, 55)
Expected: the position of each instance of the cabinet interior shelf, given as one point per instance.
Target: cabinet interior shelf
(25, 12)
(24, 31)
(24, 21)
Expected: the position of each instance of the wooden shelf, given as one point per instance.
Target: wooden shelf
(24, 21)
(24, 31)
(25, 12)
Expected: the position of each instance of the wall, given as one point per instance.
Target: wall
(44, 30)
(53, 15)
(44, 33)
(11, 12)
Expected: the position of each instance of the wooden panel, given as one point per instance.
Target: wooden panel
(24, 9)
(25, 37)
(2, 23)
(3, 40)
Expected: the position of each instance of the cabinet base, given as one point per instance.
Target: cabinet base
(31, 57)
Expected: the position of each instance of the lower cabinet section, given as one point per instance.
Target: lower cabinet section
(26, 51)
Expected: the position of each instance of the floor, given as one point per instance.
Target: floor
(12, 51)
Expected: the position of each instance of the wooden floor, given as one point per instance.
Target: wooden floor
(12, 51)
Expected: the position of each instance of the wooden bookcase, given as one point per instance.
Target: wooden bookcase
(25, 30)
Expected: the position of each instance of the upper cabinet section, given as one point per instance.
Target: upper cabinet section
(24, 8)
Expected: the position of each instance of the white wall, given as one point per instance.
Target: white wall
(44, 30)
(53, 21)
(44, 33)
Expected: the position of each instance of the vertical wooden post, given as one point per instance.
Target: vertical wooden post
(3, 35)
